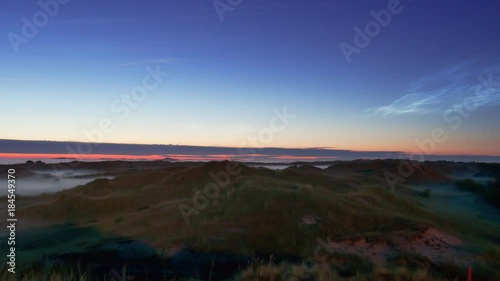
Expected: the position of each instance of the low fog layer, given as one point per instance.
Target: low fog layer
(50, 181)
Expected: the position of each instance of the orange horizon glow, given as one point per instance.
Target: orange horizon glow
(78, 156)
(181, 157)
(257, 157)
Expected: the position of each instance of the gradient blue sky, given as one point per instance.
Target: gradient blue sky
(226, 77)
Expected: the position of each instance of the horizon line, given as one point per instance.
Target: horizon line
(331, 149)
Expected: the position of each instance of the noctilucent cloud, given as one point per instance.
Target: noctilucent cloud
(357, 75)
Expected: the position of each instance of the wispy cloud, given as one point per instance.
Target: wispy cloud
(93, 21)
(442, 90)
(146, 62)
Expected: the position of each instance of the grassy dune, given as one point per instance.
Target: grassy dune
(263, 213)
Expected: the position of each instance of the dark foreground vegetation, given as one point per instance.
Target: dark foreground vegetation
(490, 192)
(230, 221)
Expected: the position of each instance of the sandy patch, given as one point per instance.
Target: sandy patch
(432, 243)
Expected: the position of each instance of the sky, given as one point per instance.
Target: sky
(404, 76)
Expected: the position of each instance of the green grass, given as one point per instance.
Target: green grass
(492, 193)
(469, 185)
(254, 272)
(33, 245)
(489, 193)
(426, 193)
(119, 219)
(260, 213)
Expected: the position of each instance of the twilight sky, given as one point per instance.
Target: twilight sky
(230, 71)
